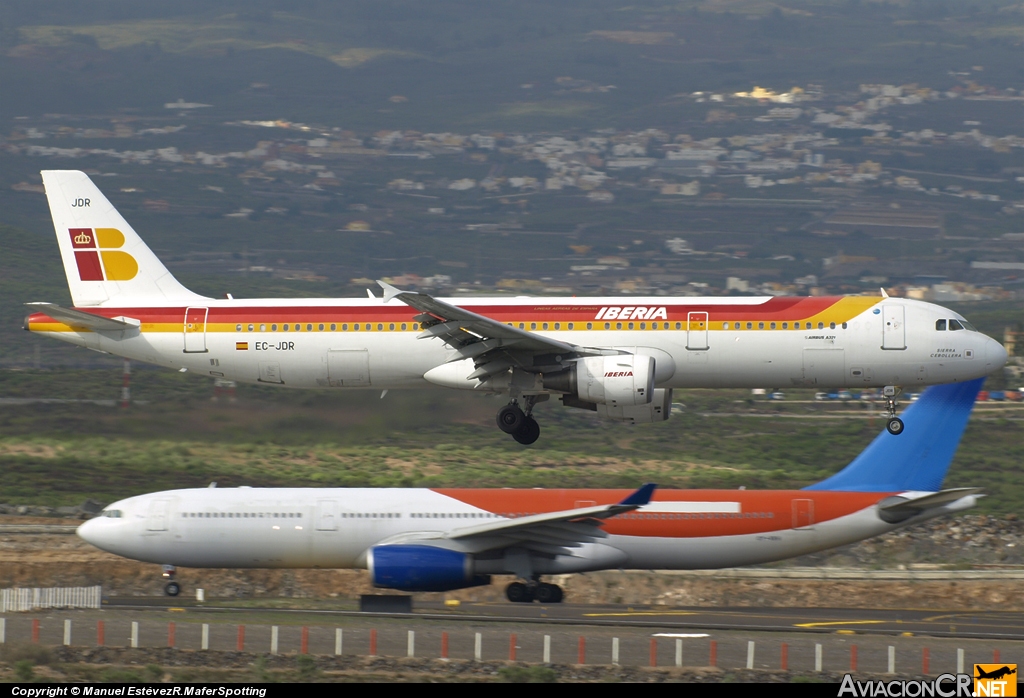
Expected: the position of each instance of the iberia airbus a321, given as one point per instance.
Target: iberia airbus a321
(620, 357)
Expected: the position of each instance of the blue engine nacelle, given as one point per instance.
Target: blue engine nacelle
(422, 568)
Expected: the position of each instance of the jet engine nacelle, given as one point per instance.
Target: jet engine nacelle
(422, 568)
(624, 380)
(659, 409)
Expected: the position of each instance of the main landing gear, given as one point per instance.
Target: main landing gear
(527, 592)
(172, 588)
(894, 425)
(519, 424)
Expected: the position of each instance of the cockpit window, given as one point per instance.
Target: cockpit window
(112, 513)
(968, 326)
(940, 325)
(955, 325)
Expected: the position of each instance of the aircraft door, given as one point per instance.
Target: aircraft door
(348, 368)
(326, 515)
(894, 334)
(195, 330)
(157, 520)
(697, 331)
(803, 514)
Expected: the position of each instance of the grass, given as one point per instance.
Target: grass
(61, 454)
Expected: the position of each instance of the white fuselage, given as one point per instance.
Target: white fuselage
(833, 343)
(335, 528)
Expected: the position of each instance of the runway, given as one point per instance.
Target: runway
(906, 642)
(949, 623)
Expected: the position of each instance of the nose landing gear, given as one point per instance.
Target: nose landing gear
(894, 425)
(520, 425)
(172, 588)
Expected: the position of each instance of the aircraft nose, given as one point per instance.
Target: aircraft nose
(98, 532)
(995, 354)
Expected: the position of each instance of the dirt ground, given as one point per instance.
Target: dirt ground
(43, 560)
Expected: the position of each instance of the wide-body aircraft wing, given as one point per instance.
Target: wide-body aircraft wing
(551, 533)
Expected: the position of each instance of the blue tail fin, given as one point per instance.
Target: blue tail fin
(918, 458)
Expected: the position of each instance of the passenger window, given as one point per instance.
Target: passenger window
(320, 327)
(285, 328)
(750, 325)
(404, 326)
(250, 328)
(631, 325)
(238, 328)
(940, 325)
(522, 326)
(796, 325)
(590, 325)
(544, 326)
(607, 325)
(569, 326)
(785, 325)
(263, 328)
(380, 326)
(773, 325)
(334, 328)
(558, 325)
(821, 325)
(679, 325)
(643, 325)
(831, 325)
(760, 325)
(391, 326)
(725, 326)
(618, 325)
(533, 325)
(309, 327)
(273, 328)
(298, 327)
(955, 325)
(844, 325)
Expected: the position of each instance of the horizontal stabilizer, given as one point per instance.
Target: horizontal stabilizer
(899, 509)
(77, 318)
(929, 501)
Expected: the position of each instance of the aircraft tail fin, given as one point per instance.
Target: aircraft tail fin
(918, 458)
(105, 260)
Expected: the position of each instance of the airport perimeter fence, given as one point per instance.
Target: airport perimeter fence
(833, 654)
(20, 600)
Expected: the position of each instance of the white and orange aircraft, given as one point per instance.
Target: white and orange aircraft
(619, 357)
(442, 539)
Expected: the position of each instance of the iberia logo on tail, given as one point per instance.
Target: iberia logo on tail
(98, 256)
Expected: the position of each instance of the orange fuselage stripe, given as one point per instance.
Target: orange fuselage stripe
(760, 511)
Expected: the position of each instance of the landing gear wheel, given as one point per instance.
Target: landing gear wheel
(517, 592)
(172, 589)
(511, 418)
(528, 433)
(549, 593)
(894, 426)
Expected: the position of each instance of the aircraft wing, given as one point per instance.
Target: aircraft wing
(494, 346)
(77, 318)
(552, 533)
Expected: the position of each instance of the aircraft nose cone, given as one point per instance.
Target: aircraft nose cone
(996, 354)
(98, 532)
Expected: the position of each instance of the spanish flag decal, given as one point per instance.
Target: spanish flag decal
(241, 346)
